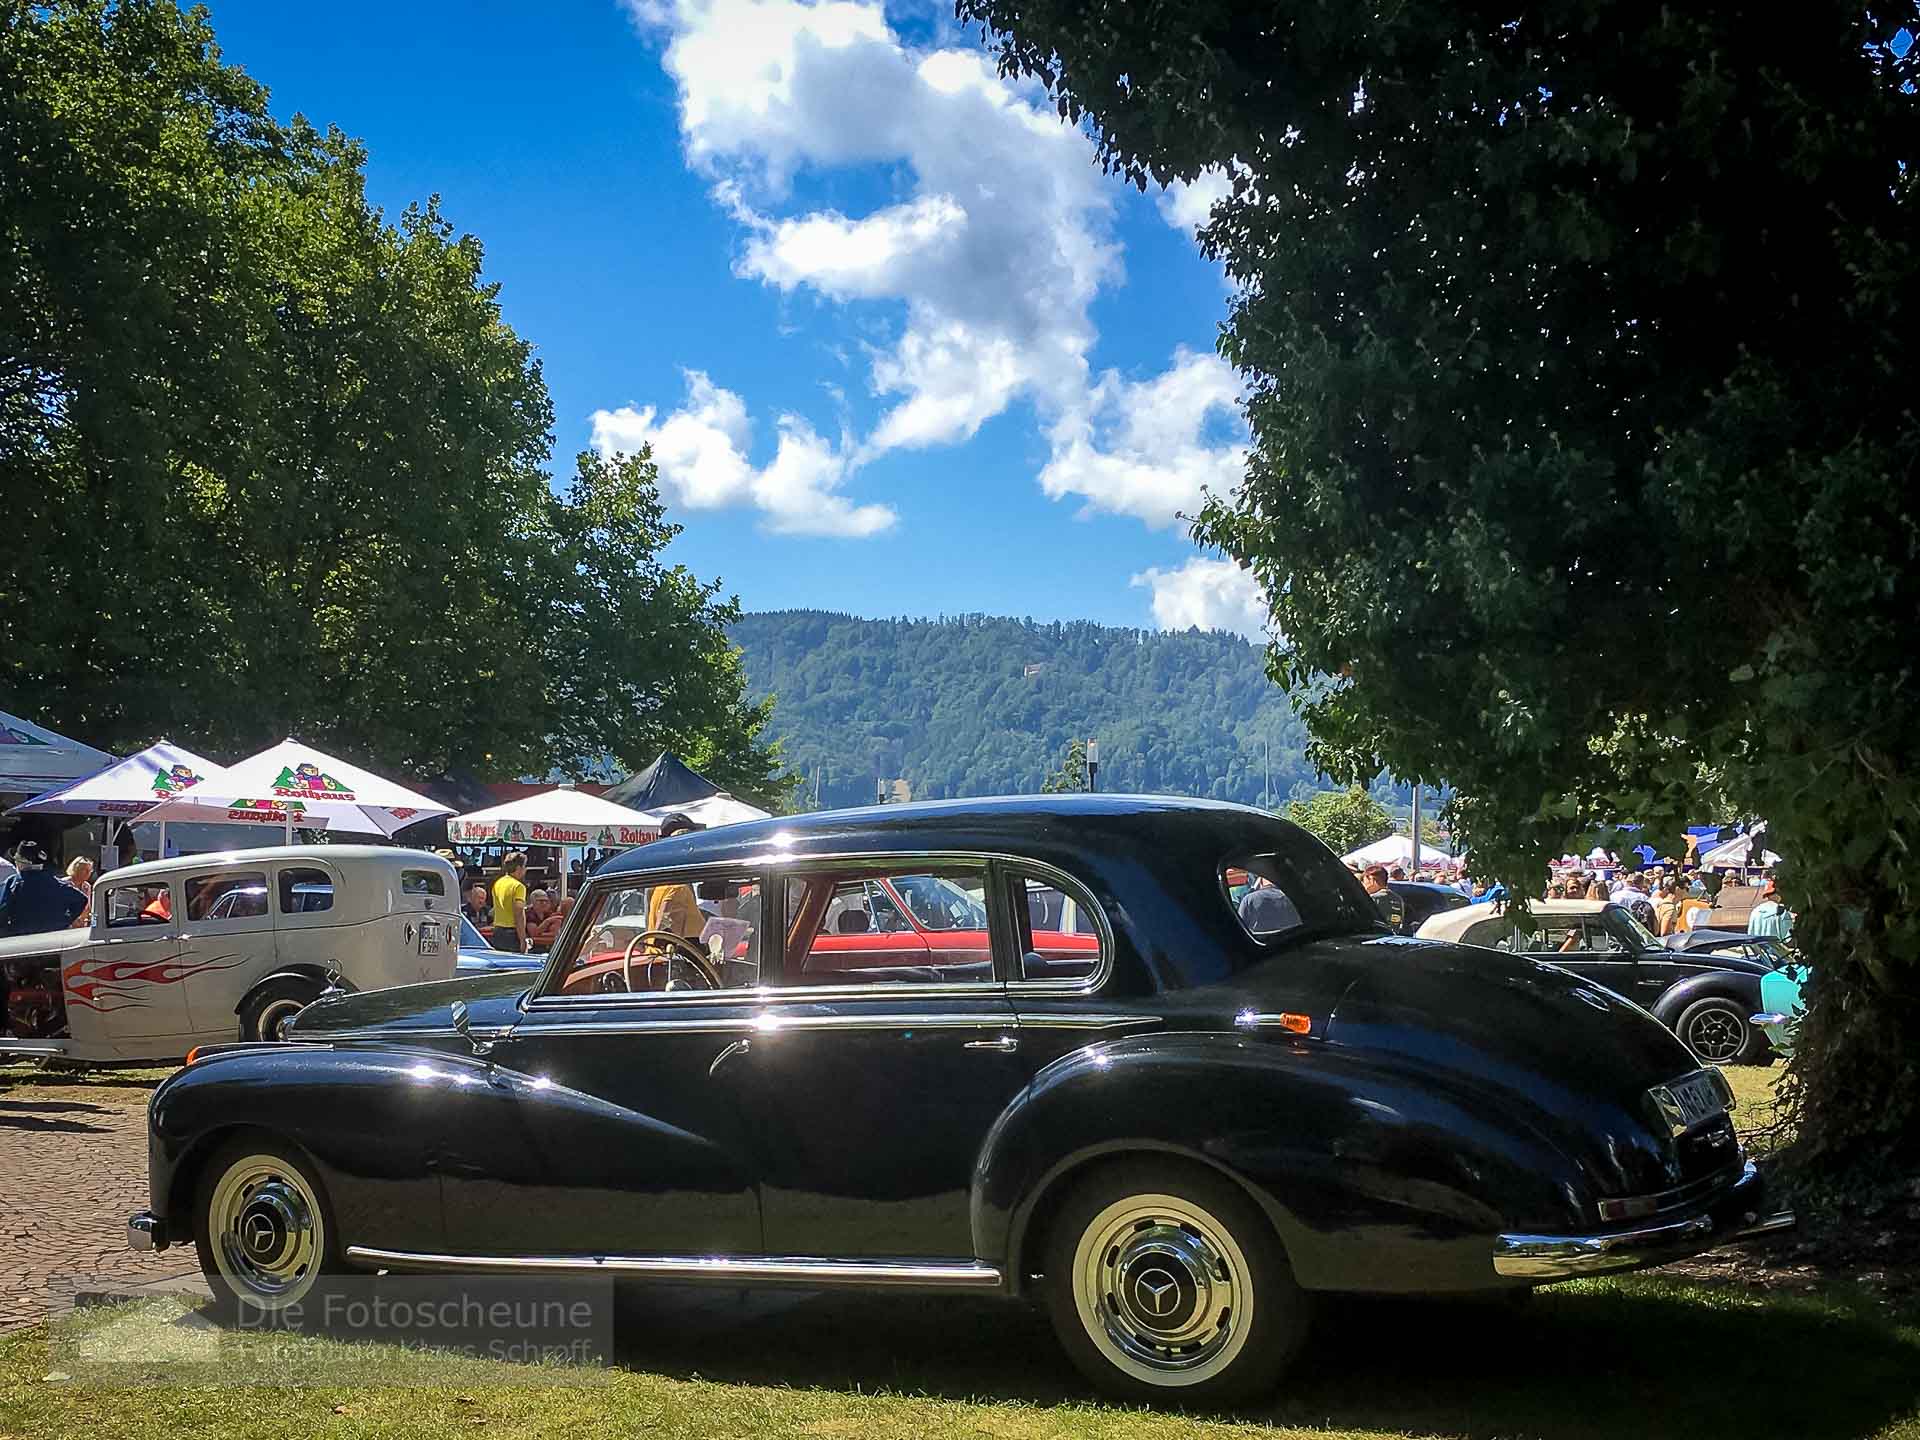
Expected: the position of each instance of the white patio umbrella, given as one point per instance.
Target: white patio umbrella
(561, 816)
(1398, 850)
(296, 786)
(721, 809)
(134, 786)
(1737, 854)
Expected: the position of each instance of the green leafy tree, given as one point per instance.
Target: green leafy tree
(1071, 777)
(1345, 819)
(1579, 342)
(275, 465)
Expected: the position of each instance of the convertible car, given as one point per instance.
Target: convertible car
(1173, 1136)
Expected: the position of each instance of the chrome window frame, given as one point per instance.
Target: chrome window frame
(771, 868)
(1011, 867)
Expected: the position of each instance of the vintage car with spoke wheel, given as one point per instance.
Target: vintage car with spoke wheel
(1171, 1119)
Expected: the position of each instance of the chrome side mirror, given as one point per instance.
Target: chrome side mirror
(463, 1027)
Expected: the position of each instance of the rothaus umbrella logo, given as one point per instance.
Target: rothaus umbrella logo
(307, 781)
(173, 780)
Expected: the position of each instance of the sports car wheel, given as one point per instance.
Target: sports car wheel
(1166, 1284)
(262, 1228)
(1716, 1030)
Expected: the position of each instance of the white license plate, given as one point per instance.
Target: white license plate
(1689, 1101)
(429, 939)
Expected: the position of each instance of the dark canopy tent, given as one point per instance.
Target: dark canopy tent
(667, 782)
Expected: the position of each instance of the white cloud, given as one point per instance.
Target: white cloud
(990, 252)
(996, 253)
(1149, 449)
(1189, 205)
(702, 450)
(1212, 594)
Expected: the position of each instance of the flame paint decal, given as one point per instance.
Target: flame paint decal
(95, 983)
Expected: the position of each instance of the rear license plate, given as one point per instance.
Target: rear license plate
(429, 939)
(1690, 1101)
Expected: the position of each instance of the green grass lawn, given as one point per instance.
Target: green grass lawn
(1637, 1357)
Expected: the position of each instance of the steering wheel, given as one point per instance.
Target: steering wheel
(684, 949)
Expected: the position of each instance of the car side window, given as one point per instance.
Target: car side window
(1054, 925)
(1494, 934)
(304, 891)
(838, 932)
(680, 935)
(226, 896)
(130, 907)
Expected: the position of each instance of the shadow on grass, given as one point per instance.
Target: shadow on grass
(28, 1076)
(1641, 1357)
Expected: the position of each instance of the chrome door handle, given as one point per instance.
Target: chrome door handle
(1001, 1044)
(738, 1047)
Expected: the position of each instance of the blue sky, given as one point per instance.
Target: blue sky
(869, 303)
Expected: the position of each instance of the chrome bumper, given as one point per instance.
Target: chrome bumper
(1565, 1257)
(146, 1231)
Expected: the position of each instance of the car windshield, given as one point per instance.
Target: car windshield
(470, 936)
(1643, 938)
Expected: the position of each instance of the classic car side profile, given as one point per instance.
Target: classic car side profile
(1173, 1138)
(209, 948)
(1705, 996)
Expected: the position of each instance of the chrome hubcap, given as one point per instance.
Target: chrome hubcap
(1717, 1035)
(275, 1018)
(1163, 1288)
(266, 1230)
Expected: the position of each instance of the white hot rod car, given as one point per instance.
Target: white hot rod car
(208, 948)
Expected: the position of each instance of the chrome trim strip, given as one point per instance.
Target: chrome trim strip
(1779, 1220)
(760, 1024)
(1066, 1020)
(781, 1269)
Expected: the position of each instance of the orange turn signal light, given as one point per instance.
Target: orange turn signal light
(193, 1054)
(1296, 1024)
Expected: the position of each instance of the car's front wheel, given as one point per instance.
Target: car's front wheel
(1717, 1031)
(1166, 1284)
(262, 1228)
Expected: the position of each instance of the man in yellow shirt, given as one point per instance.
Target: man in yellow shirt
(673, 908)
(510, 905)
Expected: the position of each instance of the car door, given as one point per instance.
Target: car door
(130, 978)
(607, 1124)
(226, 944)
(873, 1088)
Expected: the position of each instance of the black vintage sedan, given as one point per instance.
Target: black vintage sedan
(1095, 1079)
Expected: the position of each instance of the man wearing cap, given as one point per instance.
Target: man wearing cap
(37, 900)
(674, 908)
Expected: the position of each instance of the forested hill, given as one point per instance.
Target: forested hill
(976, 705)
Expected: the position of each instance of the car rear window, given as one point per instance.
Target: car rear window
(1293, 890)
(422, 882)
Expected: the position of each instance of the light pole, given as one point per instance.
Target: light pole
(1266, 762)
(1093, 764)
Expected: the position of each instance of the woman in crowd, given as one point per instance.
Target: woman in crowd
(80, 877)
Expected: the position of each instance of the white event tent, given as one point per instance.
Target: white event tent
(295, 786)
(34, 759)
(1398, 850)
(721, 809)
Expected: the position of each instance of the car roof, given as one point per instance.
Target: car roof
(1012, 823)
(157, 870)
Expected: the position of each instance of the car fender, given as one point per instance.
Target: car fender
(1735, 985)
(355, 1112)
(321, 974)
(1373, 1179)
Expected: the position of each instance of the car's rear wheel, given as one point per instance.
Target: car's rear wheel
(267, 1011)
(262, 1228)
(1167, 1284)
(1717, 1031)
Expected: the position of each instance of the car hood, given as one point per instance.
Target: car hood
(493, 1000)
(1715, 960)
(1572, 1060)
